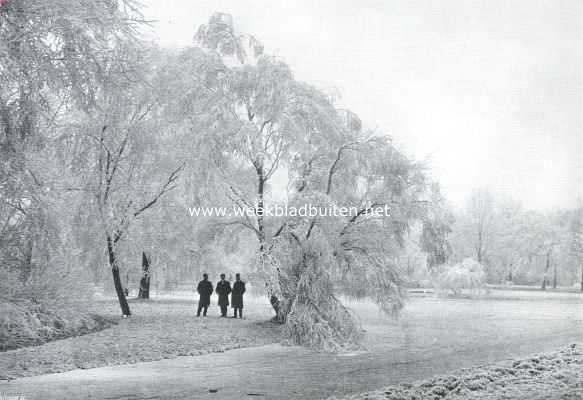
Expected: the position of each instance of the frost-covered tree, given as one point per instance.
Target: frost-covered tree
(477, 227)
(124, 173)
(256, 123)
(51, 55)
(51, 58)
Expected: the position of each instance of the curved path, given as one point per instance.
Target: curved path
(431, 337)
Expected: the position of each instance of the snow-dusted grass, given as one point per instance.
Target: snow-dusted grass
(159, 328)
(432, 336)
(533, 293)
(556, 375)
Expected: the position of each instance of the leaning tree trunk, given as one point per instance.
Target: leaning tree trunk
(144, 292)
(271, 293)
(281, 299)
(123, 303)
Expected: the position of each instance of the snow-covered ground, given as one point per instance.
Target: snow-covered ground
(546, 376)
(159, 328)
(433, 336)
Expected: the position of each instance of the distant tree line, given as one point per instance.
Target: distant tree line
(520, 246)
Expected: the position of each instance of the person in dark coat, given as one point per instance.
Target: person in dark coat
(237, 296)
(223, 289)
(204, 289)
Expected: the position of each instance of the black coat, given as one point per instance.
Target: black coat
(205, 289)
(223, 289)
(237, 296)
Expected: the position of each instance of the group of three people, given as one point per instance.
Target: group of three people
(223, 289)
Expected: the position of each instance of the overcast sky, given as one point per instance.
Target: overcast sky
(489, 92)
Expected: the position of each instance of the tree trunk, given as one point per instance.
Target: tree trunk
(582, 277)
(280, 308)
(260, 205)
(123, 303)
(555, 275)
(26, 262)
(273, 300)
(144, 292)
(548, 265)
(479, 249)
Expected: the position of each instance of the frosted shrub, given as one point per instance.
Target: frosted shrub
(467, 275)
(51, 304)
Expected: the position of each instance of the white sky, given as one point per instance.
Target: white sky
(489, 92)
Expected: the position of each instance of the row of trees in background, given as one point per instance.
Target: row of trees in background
(520, 246)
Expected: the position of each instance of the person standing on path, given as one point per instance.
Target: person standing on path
(204, 289)
(237, 296)
(223, 289)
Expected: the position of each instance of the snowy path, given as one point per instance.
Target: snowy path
(432, 337)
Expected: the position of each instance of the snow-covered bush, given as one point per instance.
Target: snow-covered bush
(51, 304)
(467, 275)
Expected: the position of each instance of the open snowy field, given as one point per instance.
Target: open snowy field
(433, 336)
